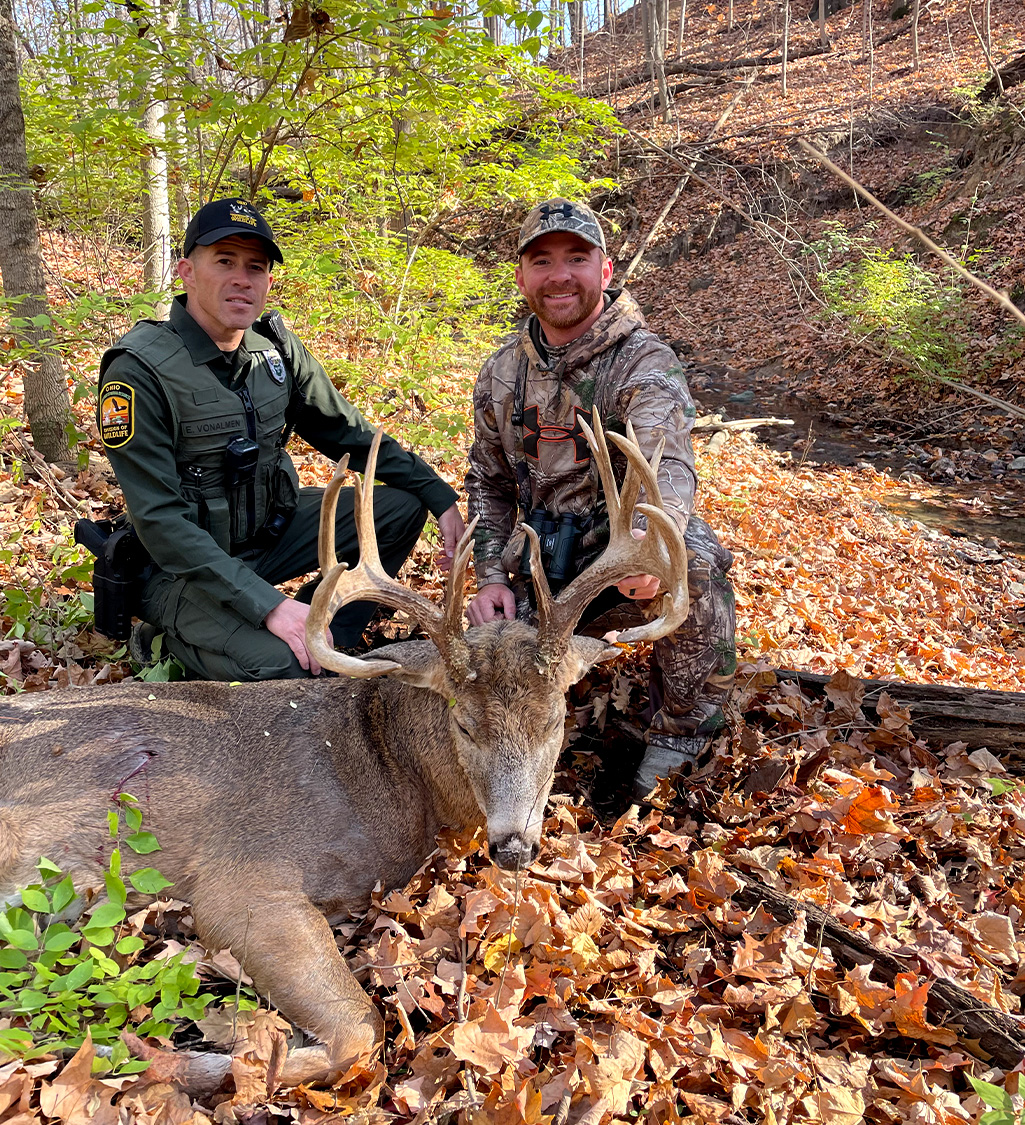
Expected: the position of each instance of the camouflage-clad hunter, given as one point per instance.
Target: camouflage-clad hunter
(588, 347)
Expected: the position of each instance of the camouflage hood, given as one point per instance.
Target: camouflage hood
(533, 454)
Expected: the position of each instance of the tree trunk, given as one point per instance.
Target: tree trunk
(576, 22)
(916, 8)
(493, 29)
(822, 23)
(786, 45)
(47, 405)
(682, 28)
(156, 211)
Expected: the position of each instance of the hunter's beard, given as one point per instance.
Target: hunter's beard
(571, 313)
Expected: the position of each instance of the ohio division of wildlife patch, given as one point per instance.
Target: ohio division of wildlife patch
(117, 414)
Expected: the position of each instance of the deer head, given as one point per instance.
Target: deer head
(505, 682)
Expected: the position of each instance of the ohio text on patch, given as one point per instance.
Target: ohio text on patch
(117, 414)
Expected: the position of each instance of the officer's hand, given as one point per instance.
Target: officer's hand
(452, 528)
(287, 620)
(494, 600)
(639, 587)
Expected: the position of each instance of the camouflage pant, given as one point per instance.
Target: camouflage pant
(692, 670)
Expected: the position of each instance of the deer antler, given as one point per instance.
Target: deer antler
(661, 552)
(370, 581)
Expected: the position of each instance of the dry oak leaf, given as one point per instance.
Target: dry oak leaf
(161, 1104)
(868, 812)
(996, 935)
(490, 1042)
(858, 996)
(18, 1080)
(709, 881)
(908, 1011)
(613, 1067)
(257, 1060)
(835, 1106)
(845, 692)
(74, 1097)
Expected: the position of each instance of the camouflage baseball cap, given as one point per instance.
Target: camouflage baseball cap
(561, 214)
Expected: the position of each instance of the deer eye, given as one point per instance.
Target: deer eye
(463, 729)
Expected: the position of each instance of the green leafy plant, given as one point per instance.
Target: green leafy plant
(44, 603)
(60, 982)
(913, 317)
(1003, 1109)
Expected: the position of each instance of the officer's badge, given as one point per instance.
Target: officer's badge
(275, 365)
(117, 414)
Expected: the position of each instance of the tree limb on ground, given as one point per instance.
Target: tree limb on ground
(895, 34)
(1010, 74)
(714, 423)
(983, 1030)
(672, 89)
(941, 712)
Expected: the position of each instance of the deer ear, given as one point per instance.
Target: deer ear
(583, 652)
(419, 664)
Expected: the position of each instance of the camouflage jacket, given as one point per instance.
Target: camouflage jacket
(618, 367)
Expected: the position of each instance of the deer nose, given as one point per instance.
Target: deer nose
(513, 852)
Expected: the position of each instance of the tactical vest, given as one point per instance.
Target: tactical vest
(206, 418)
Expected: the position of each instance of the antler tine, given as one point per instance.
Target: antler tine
(369, 580)
(660, 552)
(328, 506)
(452, 625)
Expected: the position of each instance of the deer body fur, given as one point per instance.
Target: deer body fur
(277, 803)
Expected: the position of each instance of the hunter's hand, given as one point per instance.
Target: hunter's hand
(287, 620)
(638, 587)
(495, 600)
(452, 527)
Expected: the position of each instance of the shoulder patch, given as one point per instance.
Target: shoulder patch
(276, 365)
(117, 414)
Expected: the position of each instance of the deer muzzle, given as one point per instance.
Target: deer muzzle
(513, 852)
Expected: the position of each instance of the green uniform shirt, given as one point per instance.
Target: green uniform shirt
(139, 429)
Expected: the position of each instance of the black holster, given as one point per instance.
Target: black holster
(117, 574)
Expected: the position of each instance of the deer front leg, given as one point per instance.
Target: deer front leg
(285, 944)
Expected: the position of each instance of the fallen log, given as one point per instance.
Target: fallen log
(945, 713)
(1011, 74)
(983, 1030)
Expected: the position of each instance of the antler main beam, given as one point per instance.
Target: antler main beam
(661, 552)
(370, 581)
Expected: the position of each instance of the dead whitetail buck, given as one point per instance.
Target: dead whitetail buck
(278, 803)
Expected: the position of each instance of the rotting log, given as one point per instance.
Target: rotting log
(983, 1030)
(945, 713)
(1011, 74)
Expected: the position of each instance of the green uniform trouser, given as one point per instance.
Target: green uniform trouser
(215, 643)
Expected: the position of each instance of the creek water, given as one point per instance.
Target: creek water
(989, 512)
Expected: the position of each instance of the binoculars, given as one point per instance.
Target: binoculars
(558, 536)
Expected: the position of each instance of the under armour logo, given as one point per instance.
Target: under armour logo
(535, 431)
(564, 209)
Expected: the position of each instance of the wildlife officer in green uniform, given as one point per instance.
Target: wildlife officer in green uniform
(195, 413)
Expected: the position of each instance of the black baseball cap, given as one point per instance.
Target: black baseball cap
(224, 217)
